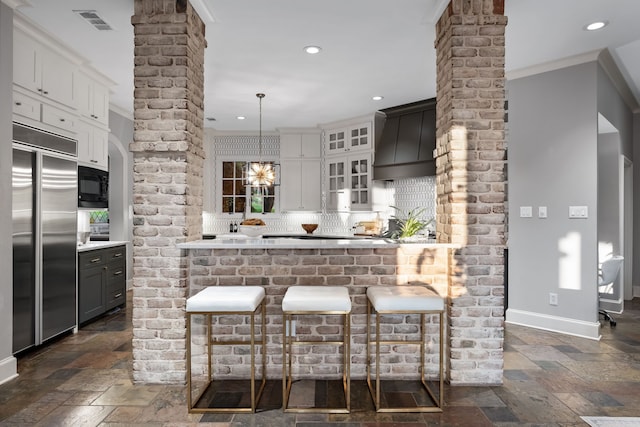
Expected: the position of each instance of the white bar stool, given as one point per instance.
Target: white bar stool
(404, 300)
(315, 300)
(227, 300)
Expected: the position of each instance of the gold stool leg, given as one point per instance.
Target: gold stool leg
(189, 404)
(346, 371)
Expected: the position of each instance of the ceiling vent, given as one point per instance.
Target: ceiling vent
(92, 17)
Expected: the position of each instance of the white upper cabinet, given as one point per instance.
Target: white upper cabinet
(93, 98)
(348, 175)
(350, 138)
(301, 144)
(93, 148)
(55, 91)
(300, 188)
(42, 71)
(300, 170)
(348, 182)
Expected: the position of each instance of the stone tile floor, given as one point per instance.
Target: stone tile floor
(549, 380)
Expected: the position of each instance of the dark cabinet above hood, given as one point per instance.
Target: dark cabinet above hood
(406, 143)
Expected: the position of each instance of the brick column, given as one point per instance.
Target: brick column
(167, 192)
(470, 168)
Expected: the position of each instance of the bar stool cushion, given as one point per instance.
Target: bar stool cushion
(404, 298)
(226, 298)
(316, 298)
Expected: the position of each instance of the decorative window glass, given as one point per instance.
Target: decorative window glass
(238, 197)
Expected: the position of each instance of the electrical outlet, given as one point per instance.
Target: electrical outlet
(553, 298)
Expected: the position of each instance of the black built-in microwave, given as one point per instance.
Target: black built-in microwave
(93, 188)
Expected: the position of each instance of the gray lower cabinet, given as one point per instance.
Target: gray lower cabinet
(101, 281)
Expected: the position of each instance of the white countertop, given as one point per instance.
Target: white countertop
(243, 242)
(89, 246)
(285, 243)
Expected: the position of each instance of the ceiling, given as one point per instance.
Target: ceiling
(369, 47)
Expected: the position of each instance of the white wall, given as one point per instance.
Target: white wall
(8, 367)
(552, 160)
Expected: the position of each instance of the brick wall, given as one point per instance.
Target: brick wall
(470, 181)
(167, 192)
(357, 269)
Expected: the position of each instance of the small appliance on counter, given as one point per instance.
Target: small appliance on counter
(368, 228)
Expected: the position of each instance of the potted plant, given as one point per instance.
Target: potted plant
(408, 224)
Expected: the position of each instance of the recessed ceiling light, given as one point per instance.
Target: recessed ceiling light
(596, 25)
(377, 98)
(312, 50)
(241, 117)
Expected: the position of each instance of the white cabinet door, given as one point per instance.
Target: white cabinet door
(59, 118)
(92, 98)
(26, 62)
(337, 197)
(310, 145)
(335, 141)
(300, 185)
(93, 149)
(311, 192)
(26, 106)
(289, 145)
(57, 78)
(359, 181)
(100, 102)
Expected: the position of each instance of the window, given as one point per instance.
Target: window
(237, 197)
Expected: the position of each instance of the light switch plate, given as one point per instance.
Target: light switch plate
(542, 211)
(526, 211)
(578, 212)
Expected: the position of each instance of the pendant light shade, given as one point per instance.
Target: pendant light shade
(260, 174)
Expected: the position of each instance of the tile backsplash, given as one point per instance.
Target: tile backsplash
(405, 194)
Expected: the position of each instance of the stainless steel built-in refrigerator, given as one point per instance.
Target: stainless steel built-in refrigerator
(45, 200)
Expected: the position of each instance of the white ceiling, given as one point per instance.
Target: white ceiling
(370, 47)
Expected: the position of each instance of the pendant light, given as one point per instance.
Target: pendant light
(260, 174)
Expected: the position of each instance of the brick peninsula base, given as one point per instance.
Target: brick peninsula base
(351, 263)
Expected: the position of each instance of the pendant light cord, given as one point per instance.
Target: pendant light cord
(260, 96)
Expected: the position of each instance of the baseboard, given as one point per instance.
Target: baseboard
(8, 369)
(613, 306)
(636, 291)
(563, 325)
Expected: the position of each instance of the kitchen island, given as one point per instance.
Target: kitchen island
(277, 263)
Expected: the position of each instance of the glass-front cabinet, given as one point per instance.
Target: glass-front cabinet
(351, 138)
(349, 182)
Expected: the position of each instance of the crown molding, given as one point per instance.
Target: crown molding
(553, 65)
(13, 4)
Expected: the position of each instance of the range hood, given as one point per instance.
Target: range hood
(406, 143)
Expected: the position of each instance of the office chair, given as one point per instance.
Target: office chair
(608, 274)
